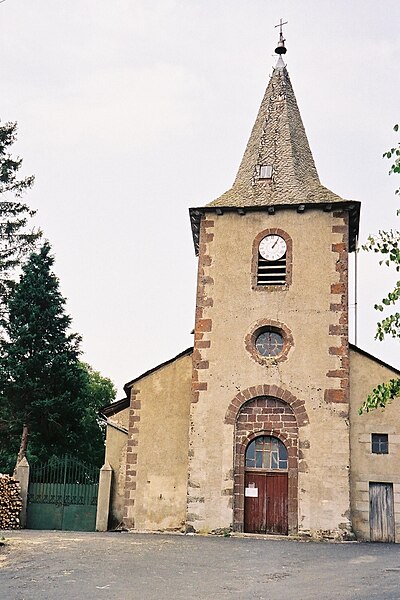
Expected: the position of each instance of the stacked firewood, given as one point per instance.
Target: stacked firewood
(10, 502)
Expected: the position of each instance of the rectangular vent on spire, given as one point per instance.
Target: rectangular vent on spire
(265, 172)
(271, 272)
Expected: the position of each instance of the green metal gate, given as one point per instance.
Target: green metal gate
(62, 494)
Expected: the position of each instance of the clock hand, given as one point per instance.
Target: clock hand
(276, 241)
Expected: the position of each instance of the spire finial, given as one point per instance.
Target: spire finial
(280, 49)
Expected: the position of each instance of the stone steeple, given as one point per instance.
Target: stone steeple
(277, 166)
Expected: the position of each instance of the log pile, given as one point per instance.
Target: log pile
(10, 502)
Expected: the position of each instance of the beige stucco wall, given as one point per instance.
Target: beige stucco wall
(365, 466)
(305, 309)
(162, 447)
(116, 456)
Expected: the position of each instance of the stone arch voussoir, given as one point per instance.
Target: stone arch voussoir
(298, 406)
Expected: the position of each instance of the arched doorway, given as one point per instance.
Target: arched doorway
(266, 486)
(278, 416)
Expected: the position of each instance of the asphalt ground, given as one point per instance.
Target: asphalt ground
(42, 565)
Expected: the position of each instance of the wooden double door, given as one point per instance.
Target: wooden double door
(266, 502)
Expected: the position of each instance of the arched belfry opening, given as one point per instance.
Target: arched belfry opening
(266, 467)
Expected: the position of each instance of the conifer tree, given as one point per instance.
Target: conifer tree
(41, 378)
(16, 239)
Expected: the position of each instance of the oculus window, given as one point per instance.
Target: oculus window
(269, 343)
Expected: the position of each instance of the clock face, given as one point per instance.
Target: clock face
(272, 247)
(269, 343)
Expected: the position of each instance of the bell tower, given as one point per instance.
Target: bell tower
(269, 431)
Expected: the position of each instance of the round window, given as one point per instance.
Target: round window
(269, 343)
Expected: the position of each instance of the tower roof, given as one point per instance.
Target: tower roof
(277, 166)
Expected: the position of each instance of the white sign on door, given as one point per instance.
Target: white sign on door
(251, 492)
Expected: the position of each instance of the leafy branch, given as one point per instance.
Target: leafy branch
(387, 244)
(381, 395)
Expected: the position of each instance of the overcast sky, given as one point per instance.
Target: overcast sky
(131, 111)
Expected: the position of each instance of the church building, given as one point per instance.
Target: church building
(256, 428)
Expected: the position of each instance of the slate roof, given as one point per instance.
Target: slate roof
(115, 407)
(118, 405)
(278, 139)
(128, 385)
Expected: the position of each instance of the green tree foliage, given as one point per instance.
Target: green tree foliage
(97, 392)
(387, 245)
(47, 394)
(16, 240)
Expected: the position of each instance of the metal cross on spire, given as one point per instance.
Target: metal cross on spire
(280, 49)
(280, 25)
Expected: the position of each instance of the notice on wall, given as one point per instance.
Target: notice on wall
(251, 492)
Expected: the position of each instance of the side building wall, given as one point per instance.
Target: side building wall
(366, 467)
(157, 448)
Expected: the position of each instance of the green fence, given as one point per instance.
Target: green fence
(62, 494)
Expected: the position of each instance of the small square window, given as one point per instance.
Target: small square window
(265, 172)
(380, 443)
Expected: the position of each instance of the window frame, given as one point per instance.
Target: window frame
(280, 342)
(270, 452)
(381, 443)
